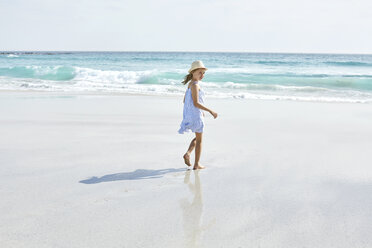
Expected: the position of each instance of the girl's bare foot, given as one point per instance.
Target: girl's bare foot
(198, 167)
(186, 157)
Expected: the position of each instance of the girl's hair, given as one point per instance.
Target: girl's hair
(187, 78)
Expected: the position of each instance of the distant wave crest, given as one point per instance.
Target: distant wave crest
(66, 73)
(347, 63)
(40, 72)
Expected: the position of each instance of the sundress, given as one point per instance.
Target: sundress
(193, 117)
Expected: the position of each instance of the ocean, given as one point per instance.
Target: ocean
(298, 77)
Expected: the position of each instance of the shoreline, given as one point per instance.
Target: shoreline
(93, 93)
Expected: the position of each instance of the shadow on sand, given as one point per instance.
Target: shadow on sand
(134, 175)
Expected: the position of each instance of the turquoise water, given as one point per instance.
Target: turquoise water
(304, 77)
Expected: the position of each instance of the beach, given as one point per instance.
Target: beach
(106, 170)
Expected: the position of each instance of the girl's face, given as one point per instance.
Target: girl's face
(198, 74)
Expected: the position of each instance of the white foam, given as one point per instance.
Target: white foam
(127, 77)
(44, 70)
(12, 56)
(237, 91)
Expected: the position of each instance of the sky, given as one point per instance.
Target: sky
(311, 26)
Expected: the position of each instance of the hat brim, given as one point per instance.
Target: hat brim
(193, 69)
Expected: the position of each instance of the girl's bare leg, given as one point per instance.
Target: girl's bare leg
(198, 149)
(186, 157)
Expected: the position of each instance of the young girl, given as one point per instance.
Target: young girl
(193, 115)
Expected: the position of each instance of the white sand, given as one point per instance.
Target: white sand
(107, 171)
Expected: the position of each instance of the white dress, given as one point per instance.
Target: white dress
(193, 117)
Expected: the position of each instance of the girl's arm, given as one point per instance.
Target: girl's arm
(195, 98)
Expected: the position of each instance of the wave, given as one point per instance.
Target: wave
(40, 72)
(12, 56)
(259, 81)
(280, 86)
(154, 76)
(226, 90)
(270, 87)
(305, 63)
(35, 53)
(290, 72)
(123, 77)
(338, 89)
(278, 62)
(66, 73)
(347, 63)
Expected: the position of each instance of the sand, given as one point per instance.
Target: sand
(91, 170)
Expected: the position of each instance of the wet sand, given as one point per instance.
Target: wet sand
(90, 170)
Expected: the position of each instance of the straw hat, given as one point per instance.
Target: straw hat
(197, 65)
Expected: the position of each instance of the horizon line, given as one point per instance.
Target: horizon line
(159, 51)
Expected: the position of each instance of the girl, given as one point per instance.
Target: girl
(193, 115)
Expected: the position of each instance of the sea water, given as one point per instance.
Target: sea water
(299, 77)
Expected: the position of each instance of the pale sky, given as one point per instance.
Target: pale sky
(311, 26)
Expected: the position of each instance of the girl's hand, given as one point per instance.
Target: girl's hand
(214, 114)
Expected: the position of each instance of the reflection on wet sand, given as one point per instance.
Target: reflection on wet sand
(192, 211)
